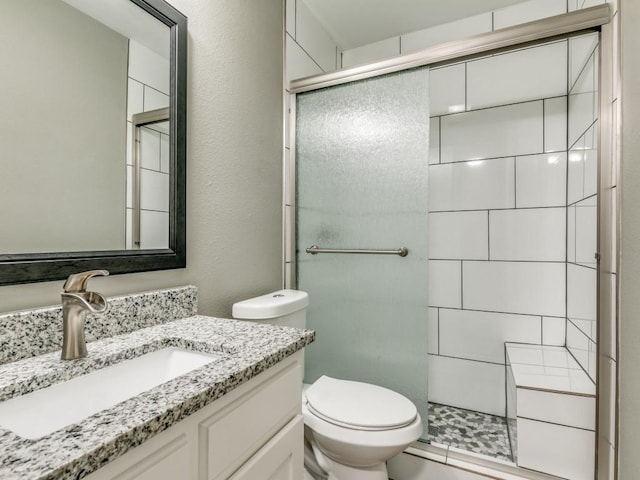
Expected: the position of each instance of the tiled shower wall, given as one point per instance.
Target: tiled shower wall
(148, 89)
(497, 201)
(582, 211)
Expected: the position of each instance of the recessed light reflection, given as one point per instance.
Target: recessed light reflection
(553, 159)
(456, 108)
(475, 163)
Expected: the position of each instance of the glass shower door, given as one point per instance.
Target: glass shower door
(362, 164)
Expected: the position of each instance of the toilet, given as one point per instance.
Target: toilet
(351, 428)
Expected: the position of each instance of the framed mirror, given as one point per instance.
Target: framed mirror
(93, 137)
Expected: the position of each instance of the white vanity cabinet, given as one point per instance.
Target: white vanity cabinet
(255, 432)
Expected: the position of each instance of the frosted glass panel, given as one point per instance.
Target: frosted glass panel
(362, 163)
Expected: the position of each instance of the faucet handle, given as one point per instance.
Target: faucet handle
(77, 282)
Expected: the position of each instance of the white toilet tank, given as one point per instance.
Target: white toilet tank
(284, 307)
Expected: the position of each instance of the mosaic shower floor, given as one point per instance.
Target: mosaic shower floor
(468, 430)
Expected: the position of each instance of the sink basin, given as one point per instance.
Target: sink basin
(44, 411)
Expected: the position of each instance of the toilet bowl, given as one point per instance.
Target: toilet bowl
(355, 427)
(351, 428)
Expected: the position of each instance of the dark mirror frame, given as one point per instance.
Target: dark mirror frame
(28, 268)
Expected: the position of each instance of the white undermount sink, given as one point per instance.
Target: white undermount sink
(44, 411)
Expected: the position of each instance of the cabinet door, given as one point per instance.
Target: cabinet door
(171, 459)
(282, 458)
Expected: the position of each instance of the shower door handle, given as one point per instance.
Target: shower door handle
(314, 249)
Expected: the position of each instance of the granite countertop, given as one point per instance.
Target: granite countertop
(243, 350)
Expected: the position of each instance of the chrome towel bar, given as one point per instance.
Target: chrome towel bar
(314, 249)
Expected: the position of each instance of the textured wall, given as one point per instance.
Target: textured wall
(234, 167)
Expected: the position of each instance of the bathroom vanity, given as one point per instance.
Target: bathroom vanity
(237, 416)
(252, 433)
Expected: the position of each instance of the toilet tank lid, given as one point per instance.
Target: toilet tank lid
(271, 305)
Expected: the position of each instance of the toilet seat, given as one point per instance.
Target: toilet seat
(358, 405)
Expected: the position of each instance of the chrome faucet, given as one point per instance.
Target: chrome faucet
(76, 302)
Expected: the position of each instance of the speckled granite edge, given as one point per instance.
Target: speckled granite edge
(246, 349)
(34, 332)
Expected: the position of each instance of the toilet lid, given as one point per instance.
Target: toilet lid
(359, 405)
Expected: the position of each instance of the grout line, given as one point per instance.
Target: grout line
(151, 210)
(306, 53)
(557, 424)
(576, 203)
(461, 285)
(582, 69)
(488, 235)
(499, 106)
(439, 140)
(544, 126)
(469, 360)
(591, 340)
(533, 315)
(518, 155)
(434, 212)
(466, 88)
(552, 262)
(438, 314)
(515, 181)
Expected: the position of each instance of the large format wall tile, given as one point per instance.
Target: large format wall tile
(459, 235)
(583, 100)
(532, 234)
(445, 284)
(541, 180)
(475, 185)
(581, 297)
(580, 49)
(446, 32)
(527, 12)
(582, 348)
(478, 386)
(447, 90)
(481, 335)
(315, 40)
(540, 442)
(492, 132)
(518, 287)
(299, 63)
(555, 124)
(372, 52)
(523, 75)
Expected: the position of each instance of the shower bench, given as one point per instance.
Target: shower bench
(551, 404)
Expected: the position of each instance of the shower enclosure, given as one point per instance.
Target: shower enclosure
(497, 200)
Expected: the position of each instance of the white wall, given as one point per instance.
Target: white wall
(234, 165)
